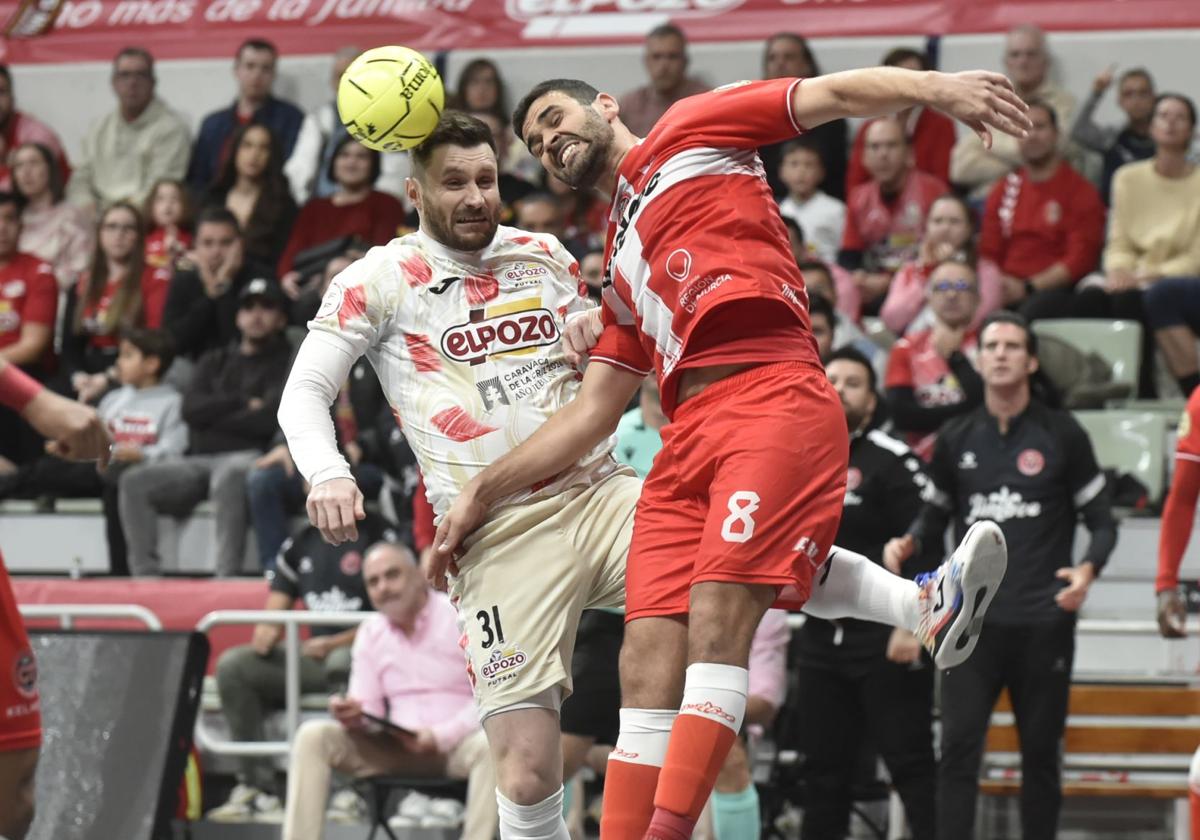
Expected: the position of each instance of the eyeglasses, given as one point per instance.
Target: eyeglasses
(960, 284)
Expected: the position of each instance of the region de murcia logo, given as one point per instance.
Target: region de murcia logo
(25, 674)
(1030, 462)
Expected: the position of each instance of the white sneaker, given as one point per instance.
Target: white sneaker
(444, 813)
(412, 810)
(955, 597)
(347, 808)
(268, 809)
(238, 808)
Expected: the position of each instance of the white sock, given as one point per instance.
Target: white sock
(543, 821)
(849, 585)
(643, 736)
(716, 692)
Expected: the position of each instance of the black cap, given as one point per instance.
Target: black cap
(260, 288)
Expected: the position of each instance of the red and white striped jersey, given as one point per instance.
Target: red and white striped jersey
(693, 225)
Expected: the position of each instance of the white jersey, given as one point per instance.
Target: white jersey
(467, 347)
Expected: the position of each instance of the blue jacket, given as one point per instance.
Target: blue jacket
(282, 118)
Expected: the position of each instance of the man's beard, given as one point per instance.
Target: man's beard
(588, 165)
(854, 418)
(443, 229)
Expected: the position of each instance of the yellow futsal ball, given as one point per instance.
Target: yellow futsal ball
(390, 98)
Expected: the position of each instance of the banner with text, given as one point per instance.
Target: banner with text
(90, 30)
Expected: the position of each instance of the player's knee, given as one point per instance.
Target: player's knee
(524, 783)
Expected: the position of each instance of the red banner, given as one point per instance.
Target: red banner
(86, 30)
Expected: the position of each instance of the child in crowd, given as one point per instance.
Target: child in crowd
(821, 217)
(169, 215)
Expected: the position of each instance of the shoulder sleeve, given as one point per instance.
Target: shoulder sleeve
(361, 298)
(619, 346)
(744, 115)
(42, 303)
(899, 367)
(1188, 447)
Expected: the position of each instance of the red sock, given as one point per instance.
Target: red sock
(628, 800)
(695, 755)
(1194, 810)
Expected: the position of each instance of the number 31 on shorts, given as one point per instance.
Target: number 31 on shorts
(738, 527)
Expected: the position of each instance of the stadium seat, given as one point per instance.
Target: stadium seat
(1117, 342)
(1132, 442)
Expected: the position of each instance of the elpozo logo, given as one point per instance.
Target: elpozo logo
(474, 341)
(511, 659)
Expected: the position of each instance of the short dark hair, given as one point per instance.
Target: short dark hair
(454, 128)
(156, 343)
(898, 55)
(1178, 97)
(666, 30)
(820, 305)
(849, 353)
(792, 225)
(217, 214)
(136, 52)
(4, 71)
(256, 44)
(804, 142)
(815, 265)
(1045, 106)
(1004, 316)
(581, 92)
(1137, 71)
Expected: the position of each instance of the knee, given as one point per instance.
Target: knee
(262, 483)
(524, 783)
(650, 679)
(313, 738)
(231, 667)
(1166, 301)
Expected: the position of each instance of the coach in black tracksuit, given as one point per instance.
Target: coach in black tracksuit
(859, 679)
(1030, 469)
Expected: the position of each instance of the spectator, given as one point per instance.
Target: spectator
(481, 88)
(1031, 469)
(128, 150)
(666, 62)
(638, 432)
(585, 215)
(251, 679)
(308, 167)
(168, 214)
(1027, 65)
(1118, 145)
(541, 213)
(820, 313)
(931, 374)
(931, 135)
(949, 234)
(796, 243)
(254, 70)
(591, 271)
(513, 188)
(356, 210)
(1154, 246)
(1043, 225)
(51, 228)
(863, 682)
(118, 292)
(819, 281)
(788, 55)
(202, 299)
(821, 217)
(886, 215)
(406, 668)
(230, 410)
(18, 129)
(252, 187)
(144, 421)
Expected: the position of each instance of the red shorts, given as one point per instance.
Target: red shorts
(20, 715)
(748, 488)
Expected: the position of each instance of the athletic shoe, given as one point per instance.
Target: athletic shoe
(444, 813)
(954, 598)
(268, 809)
(347, 808)
(238, 808)
(413, 809)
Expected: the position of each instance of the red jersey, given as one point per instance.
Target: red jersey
(28, 295)
(889, 232)
(20, 715)
(1029, 226)
(155, 282)
(159, 254)
(376, 220)
(1179, 513)
(694, 227)
(932, 136)
(915, 363)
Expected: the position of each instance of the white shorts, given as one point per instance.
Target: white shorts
(526, 576)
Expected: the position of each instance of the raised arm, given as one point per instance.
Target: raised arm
(561, 441)
(981, 100)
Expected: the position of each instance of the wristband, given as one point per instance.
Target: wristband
(17, 388)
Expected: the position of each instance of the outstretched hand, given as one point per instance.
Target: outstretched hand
(463, 517)
(335, 508)
(983, 101)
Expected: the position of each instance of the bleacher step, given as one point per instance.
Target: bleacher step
(205, 830)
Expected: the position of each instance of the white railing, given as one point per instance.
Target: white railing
(1085, 626)
(67, 613)
(291, 621)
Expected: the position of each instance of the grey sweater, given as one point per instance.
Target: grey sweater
(150, 417)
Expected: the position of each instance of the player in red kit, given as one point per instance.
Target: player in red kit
(740, 508)
(75, 431)
(1179, 514)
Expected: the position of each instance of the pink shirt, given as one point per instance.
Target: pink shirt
(420, 680)
(906, 299)
(768, 658)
